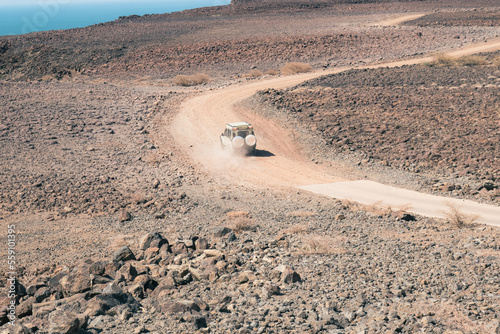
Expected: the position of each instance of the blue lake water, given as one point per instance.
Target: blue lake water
(40, 15)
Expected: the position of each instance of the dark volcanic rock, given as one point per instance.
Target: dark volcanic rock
(123, 254)
(152, 240)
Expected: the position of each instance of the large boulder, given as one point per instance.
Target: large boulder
(286, 274)
(124, 215)
(98, 268)
(74, 283)
(123, 254)
(62, 322)
(152, 240)
(112, 296)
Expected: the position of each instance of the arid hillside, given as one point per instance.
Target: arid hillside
(226, 40)
(439, 121)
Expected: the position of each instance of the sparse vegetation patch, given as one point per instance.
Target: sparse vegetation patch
(444, 60)
(272, 72)
(253, 74)
(191, 80)
(295, 68)
(318, 244)
(458, 218)
(473, 60)
(240, 221)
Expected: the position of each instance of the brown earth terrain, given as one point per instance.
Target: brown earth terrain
(440, 121)
(459, 18)
(224, 41)
(120, 229)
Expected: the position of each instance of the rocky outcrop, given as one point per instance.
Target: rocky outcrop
(72, 299)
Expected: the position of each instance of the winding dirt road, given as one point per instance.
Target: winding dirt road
(197, 126)
(201, 120)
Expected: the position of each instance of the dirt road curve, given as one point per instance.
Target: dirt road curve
(201, 119)
(393, 21)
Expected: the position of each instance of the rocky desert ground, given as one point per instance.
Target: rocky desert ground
(120, 229)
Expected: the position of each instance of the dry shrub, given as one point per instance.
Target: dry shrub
(496, 61)
(237, 214)
(317, 244)
(376, 208)
(240, 221)
(473, 61)
(405, 207)
(191, 80)
(253, 74)
(272, 72)
(295, 68)
(458, 218)
(444, 60)
(348, 204)
(242, 224)
(296, 229)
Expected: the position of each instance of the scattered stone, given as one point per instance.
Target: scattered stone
(42, 294)
(159, 215)
(221, 231)
(175, 307)
(62, 322)
(97, 268)
(404, 216)
(124, 216)
(25, 308)
(212, 253)
(123, 254)
(199, 321)
(74, 283)
(270, 289)
(141, 329)
(152, 240)
(287, 274)
(180, 248)
(231, 237)
(201, 244)
(488, 185)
